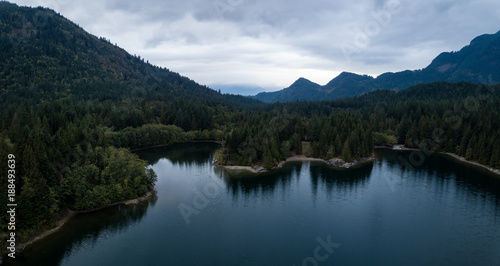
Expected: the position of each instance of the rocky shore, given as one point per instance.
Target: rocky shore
(334, 162)
(252, 169)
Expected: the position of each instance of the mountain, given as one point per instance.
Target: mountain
(345, 84)
(302, 88)
(478, 62)
(73, 106)
(44, 57)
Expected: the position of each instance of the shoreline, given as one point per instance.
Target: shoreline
(340, 163)
(251, 169)
(462, 159)
(452, 155)
(167, 145)
(70, 214)
(334, 162)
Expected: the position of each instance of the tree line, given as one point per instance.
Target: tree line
(74, 106)
(73, 157)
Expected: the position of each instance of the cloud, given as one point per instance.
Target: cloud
(272, 43)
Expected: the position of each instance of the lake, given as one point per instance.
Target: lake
(442, 212)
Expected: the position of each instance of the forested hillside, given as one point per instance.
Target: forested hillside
(461, 118)
(69, 98)
(74, 106)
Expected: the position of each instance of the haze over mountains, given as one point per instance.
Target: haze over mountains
(478, 62)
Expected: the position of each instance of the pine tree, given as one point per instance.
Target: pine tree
(469, 154)
(297, 144)
(464, 142)
(346, 151)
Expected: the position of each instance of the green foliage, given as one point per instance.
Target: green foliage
(73, 106)
(384, 139)
(68, 97)
(445, 117)
(264, 139)
(120, 175)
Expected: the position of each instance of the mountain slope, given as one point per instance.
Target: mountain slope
(478, 62)
(42, 50)
(301, 88)
(346, 84)
(72, 107)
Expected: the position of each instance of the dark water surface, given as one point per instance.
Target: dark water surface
(383, 213)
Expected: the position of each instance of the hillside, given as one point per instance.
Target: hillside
(44, 52)
(302, 88)
(478, 62)
(75, 106)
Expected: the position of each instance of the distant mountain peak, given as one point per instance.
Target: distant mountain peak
(478, 62)
(303, 81)
(346, 73)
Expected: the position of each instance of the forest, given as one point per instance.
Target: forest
(75, 107)
(460, 118)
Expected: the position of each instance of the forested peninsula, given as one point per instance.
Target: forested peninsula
(75, 105)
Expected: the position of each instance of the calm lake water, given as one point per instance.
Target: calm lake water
(440, 213)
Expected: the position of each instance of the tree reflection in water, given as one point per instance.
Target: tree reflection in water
(83, 232)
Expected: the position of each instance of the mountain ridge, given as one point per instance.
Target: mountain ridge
(477, 62)
(60, 59)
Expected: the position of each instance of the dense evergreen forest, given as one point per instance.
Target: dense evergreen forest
(461, 118)
(74, 106)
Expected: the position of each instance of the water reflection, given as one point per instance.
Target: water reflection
(445, 176)
(444, 172)
(336, 181)
(181, 154)
(83, 232)
(263, 185)
(446, 210)
(339, 181)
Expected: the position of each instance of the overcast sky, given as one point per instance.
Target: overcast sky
(272, 43)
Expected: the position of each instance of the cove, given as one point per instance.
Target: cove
(383, 213)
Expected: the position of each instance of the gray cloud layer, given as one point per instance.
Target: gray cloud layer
(272, 43)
